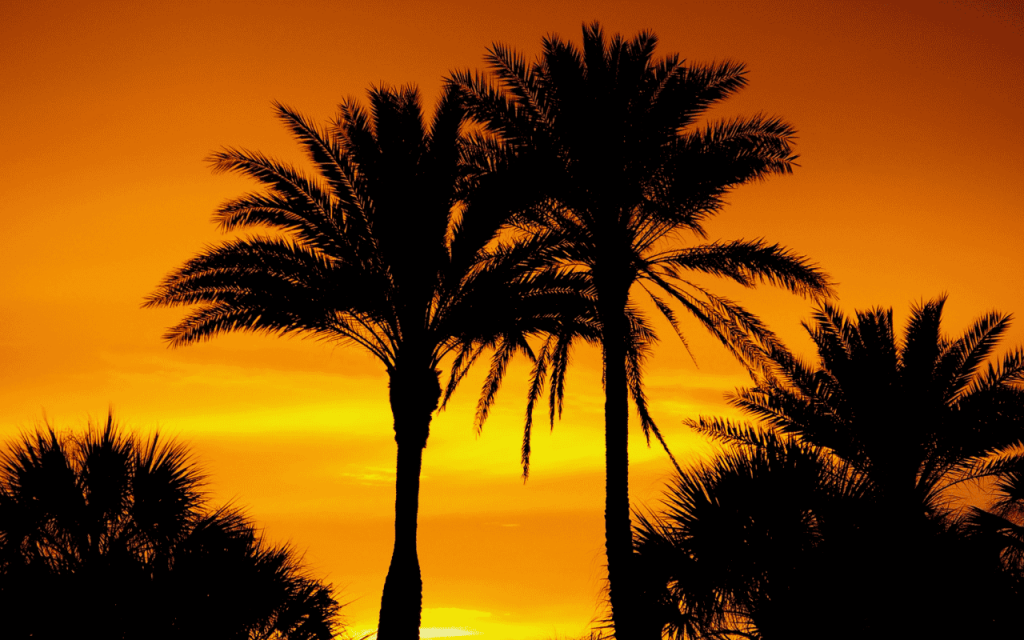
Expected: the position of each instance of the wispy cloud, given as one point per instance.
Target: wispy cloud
(447, 632)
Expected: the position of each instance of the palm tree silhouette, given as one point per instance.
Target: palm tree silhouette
(762, 542)
(111, 535)
(917, 415)
(392, 248)
(621, 172)
(912, 418)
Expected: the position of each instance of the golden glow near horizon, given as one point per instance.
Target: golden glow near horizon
(909, 185)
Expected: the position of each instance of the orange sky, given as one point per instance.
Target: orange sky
(910, 185)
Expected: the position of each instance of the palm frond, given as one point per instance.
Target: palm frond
(277, 177)
(923, 343)
(537, 378)
(560, 358)
(502, 355)
(748, 262)
(323, 151)
(959, 366)
(670, 315)
(687, 91)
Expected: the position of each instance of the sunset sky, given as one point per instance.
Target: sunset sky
(910, 184)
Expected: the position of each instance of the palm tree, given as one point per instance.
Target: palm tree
(917, 415)
(914, 418)
(620, 173)
(762, 542)
(392, 248)
(110, 534)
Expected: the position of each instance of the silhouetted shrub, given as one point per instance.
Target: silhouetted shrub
(106, 535)
(834, 513)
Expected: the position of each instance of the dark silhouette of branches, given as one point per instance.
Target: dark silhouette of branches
(104, 534)
(837, 503)
(606, 137)
(392, 247)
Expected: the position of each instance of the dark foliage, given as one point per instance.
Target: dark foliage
(393, 246)
(106, 535)
(835, 514)
(611, 141)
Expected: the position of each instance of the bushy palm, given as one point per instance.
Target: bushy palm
(907, 421)
(393, 248)
(608, 140)
(917, 415)
(761, 542)
(105, 534)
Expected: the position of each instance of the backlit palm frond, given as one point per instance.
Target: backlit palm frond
(277, 177)
(750, 340)
(322, 150)
(537, 378)
(981, 425)
(647, 228)
(1008, 373)
(378, 335)
(794, 413)
(719, 319)
(210, 320)
(265, 285)
(719, 544)
(517, 78)
(488, 104)
(503, 352)
(642, 336)
(923, 342)
(444, 170)
(958, 367)
(750, 262)
(875, 349)
(688, 90)
(353, 132)
(731, 432)
(277, 211)
(244, 265)
(398, 130)
(466, 354)
(560, 359)
(834, 337)
(740, 150)
(167, 487)
(663, 72)
(561, 70)
(670, 315)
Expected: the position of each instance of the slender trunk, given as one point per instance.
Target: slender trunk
(402, 601)
(618, 527)
(413, 400)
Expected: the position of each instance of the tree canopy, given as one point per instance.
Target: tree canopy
(107, 534)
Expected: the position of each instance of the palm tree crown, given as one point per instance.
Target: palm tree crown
(608, 135)
(391, 247)
(111, 535)
(904, 421)
(917, 415)
(762, 542)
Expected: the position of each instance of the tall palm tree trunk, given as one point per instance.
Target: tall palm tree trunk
(618, 528)
(402, 602)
